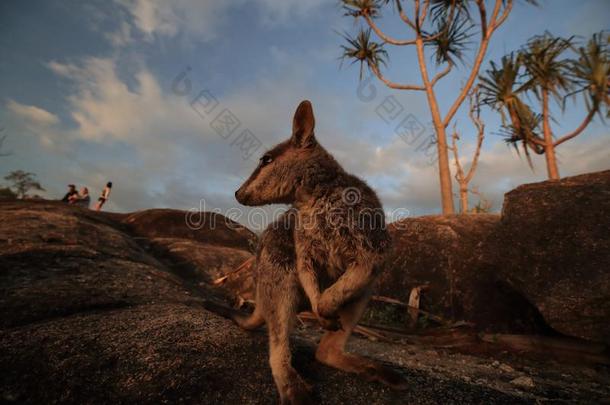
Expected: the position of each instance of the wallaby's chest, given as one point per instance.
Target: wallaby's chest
(321, 242)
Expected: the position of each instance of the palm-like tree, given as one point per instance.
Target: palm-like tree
(591, 75)
(502, 90)
(544, 68)
(548, 74)
(437, 29)
(451, 38)
(363, 50)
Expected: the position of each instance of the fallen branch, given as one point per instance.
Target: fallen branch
(557, 346)
(308, 316)
(393, 301)
(245, 265)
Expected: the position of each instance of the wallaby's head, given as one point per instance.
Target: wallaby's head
(280, 171)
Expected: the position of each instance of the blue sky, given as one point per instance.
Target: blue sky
(86, 96)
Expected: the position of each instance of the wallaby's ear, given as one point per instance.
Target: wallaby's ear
(303, 125)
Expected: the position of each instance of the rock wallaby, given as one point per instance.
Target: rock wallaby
(327, 248)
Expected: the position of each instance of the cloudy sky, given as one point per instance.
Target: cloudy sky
(132, 91)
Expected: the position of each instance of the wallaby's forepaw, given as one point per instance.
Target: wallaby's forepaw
(297, 393)
(325, 307)
(385, 375)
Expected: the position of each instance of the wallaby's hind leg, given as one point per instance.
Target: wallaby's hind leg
(331, 350)
(280, 320)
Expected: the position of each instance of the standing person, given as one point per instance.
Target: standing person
(105, 194)
(70, 194)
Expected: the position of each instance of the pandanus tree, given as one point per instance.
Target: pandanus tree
(502, 90)
(439, 28)
(546, 69)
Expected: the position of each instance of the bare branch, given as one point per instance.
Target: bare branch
(578, 130)
(475, 116)
(393, 85)
(483, 17)
(459, 174)
(536, 141)
(464, 179)
(386, 38)
(445, 28)
(424, 13)
(404, 17)
(504, 16)
(441, 74)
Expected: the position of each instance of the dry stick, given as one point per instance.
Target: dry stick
(389, 300)
(243, 266)
(359, 329)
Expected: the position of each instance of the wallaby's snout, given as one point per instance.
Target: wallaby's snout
(241, 196)
(277, 176)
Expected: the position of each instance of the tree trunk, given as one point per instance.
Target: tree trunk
(444, 170)
(549, 148)
(464, 199)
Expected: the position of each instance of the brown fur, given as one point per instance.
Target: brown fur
(329, 246)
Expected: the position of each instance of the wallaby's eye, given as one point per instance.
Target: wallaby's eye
(266, 159)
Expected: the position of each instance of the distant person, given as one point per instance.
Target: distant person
(71, 192)
(81, 199)
(104, 197)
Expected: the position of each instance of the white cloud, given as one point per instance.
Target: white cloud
(196, 18)
(32, 114)
(202, 20)
(120, 37)
(278, 12)
(105, 108)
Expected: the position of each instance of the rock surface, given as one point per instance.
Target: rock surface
(205, 227)
(89, 314)
(444, 254)
(199, 246)
(553, 246)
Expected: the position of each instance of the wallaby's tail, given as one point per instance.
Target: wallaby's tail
(245, 321)
(250, 322)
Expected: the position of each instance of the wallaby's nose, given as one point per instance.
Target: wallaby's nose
(238, 195)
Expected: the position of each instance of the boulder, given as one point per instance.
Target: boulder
(553, 246)
(200, 247)
(443, 254)
(205, 227)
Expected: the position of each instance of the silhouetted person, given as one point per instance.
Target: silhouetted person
(71, 192)
(81, 199)
(104, 197)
